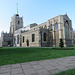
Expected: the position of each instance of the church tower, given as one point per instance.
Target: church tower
(16, 23)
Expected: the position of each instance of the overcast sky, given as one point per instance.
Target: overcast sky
(38, 11)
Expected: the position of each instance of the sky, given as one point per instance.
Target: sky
(35, 11)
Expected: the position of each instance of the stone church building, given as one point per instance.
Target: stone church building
(47, 34)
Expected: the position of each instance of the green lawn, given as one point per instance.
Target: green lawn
(20, 55)
(68, 72)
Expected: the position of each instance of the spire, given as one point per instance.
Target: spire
(17, 8)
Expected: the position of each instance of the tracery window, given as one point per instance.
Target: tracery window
(66, 29)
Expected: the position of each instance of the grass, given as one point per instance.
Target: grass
(20, 55)
(68, 72)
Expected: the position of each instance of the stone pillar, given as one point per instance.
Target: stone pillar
(69, 33)
(72, 37)
(53, 36)
(19, 40)
(16, 40)
(41, 42)
(60, 34)
(64, 40)
(13, 39)
(48, 24)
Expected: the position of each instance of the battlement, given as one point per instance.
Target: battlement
(7, 34)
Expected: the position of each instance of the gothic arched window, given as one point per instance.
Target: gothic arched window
(66, 29)
(51, 27)
(33, 37)
(66, 24)
(56, 25)
(44, 36)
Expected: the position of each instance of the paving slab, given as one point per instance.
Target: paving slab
(5, 70)
(16, 71)
(26, 66)
(49, 67)
(71, 67)
(29, 71)
(37, 67)
(43, 72)
(55, 71)
(15, 65)
(18, 74)
(33, 63)
(5, 74)
(61, 68)
(5, 66)
(42, 67)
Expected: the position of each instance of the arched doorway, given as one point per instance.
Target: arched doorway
(27, 42)
(45, 36)
(9, 43)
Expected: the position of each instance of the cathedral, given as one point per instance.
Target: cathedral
(47, 34)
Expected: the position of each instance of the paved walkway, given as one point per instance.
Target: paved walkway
(43, 67)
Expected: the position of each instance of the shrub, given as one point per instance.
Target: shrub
(61, 44)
